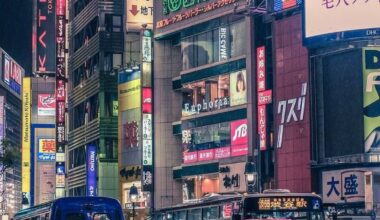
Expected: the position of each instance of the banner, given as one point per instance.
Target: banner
(371, 98)
(25, 155)
(46, 105)
(46, 149)
(91, 189)
(238, 87)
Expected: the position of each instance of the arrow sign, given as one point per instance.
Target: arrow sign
(134, 10)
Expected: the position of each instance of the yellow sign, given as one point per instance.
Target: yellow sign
(282, 203)
(130, 95)
(138, 13)
(26, 114)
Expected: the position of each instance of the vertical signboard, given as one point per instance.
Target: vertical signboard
(46, 183)
(44, 41)
(25, 158)
(91, 171)
(239, 137)
(12, 74)
(60, 93)
(264, 97)
(146, 107)
(371, 97)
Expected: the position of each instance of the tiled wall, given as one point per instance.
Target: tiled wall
(291, 72)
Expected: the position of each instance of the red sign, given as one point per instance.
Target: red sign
(47, 145)
(260, 53)
(261, 118)
(61, 91)
(264, 97)
(61, 7)
(239, 132)
(147, 100)
(190, 157)
(222, 152)
(227, 211)
(239, 150)
(7, 69)
(205, 155)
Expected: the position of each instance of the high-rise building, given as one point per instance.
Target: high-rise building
(96, 46)
(10, 129)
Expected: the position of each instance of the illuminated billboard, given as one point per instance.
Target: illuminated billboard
(45, 37)
(371, 94)
(12, 73)
(336, 20)
(25, 155)
(138, 13)
(46, 105)
(91, 171)
(46, 149)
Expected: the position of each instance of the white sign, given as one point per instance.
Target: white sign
(223, 53)
(329, 16)
(147, 140)
(340, 186)
(139, 12)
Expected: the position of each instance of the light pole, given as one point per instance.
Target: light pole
(250, 176)
(133, 194)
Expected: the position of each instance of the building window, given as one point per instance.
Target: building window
(85, 71)
(77, 157)
(113, 23)
(86, 34)
(80, 5)
(111, 104)
(212, 46)
(214, 93)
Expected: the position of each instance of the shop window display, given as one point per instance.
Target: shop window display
(215, 93)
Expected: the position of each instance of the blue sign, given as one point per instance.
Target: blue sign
(91, 171)
(60, 168)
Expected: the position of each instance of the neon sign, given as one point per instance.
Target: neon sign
(282, 203)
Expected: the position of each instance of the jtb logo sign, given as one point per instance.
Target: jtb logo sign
(239, 131)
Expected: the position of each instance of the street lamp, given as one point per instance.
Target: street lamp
(250, 176)
(133, 194)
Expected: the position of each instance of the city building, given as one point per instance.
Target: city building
(205, 99)
(135, 112)
(42, 140)
(10, 129)
(306, 112)
(95, 50)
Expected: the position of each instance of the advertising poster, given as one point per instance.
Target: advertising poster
(7, 68)
(46, 149)
(46, 105)
(347, 184)
(46, 183)
(13, 74)
(238, 88)
(91, 188)
(371, 98)
(26, 114)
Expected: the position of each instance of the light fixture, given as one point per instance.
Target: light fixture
(250, 176)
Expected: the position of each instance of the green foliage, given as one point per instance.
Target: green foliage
(8, 154)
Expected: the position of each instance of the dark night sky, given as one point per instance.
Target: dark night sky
(16, 31)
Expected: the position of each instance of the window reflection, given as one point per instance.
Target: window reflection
(213, 46)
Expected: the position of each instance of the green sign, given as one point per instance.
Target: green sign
(176, 5)
(115, 108)
(371, 97)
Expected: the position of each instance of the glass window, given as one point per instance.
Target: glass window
(213, 46)
(75, 216)
(180, 215)
(194, 214)
(210, 213)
